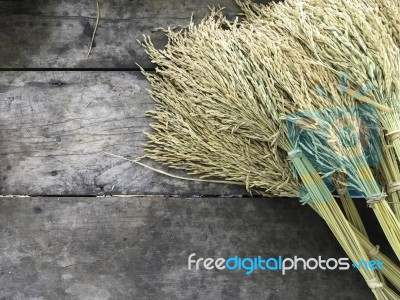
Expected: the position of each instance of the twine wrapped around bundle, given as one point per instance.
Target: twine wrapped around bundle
(251, 102)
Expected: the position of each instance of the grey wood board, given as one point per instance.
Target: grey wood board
(137, 248)
(57, 34)
(54, 127)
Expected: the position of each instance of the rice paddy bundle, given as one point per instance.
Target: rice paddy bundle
(221, 89)
(360, 39)
(347, 36)
(302, 75)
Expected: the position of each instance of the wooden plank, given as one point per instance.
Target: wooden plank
(55, 125)
(137, 248)
(57, 34)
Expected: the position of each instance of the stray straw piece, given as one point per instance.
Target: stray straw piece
(95, 28)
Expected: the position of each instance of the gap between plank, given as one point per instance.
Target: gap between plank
(135, 69)
(127, 196)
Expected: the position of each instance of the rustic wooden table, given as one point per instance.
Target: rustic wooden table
(77, 236)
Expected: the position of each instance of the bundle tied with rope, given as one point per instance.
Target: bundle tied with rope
(250, 102)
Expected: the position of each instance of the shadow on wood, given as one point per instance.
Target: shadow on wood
(57, 34)
(138, 248)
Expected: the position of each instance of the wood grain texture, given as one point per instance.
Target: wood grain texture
(57, 34)
(54, 127)
(137, 248)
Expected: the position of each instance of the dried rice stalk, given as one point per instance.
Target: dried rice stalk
(208, 112)
(349, 207)
(330, 34)
(298, 75)
(356, 37)
(218, 115)
(390, 10)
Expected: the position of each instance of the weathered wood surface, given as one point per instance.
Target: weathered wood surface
(57, 34)
(137, 248)
(54, 127)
